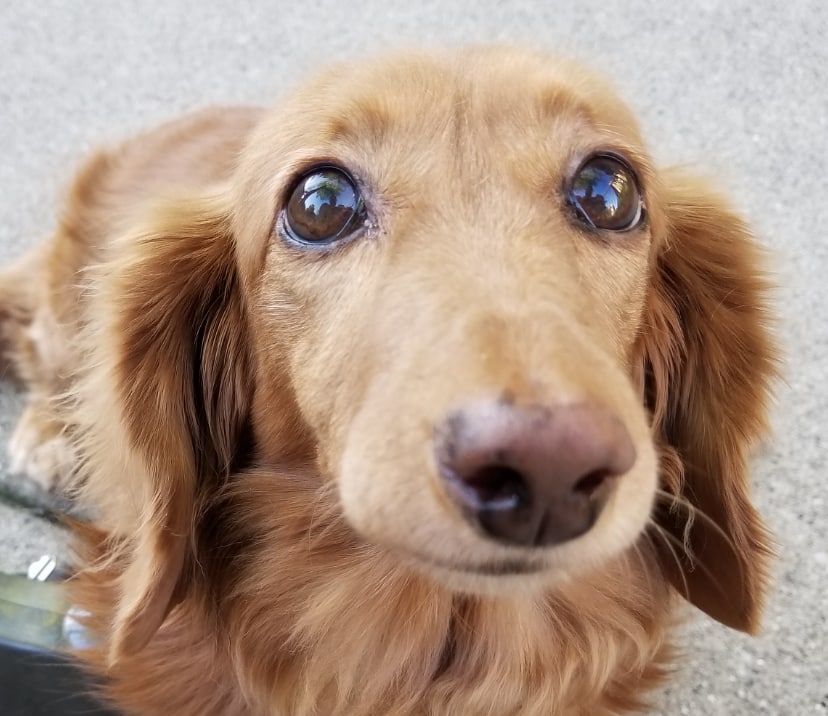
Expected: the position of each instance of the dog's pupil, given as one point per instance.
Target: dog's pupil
(323, 206)
(605, 193)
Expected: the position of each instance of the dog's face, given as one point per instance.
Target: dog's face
(451, 273)
(455, 289)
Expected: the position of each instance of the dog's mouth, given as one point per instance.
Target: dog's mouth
(500, 568)
(497, 569)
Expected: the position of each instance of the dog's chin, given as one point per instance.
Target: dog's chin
(504, 578)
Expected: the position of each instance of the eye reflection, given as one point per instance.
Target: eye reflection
(324, 206)
(605, 194)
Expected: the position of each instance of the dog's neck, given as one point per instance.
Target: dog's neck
(325, 623)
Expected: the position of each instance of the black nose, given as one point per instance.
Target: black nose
(532, 475)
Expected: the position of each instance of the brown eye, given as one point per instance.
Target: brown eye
(324, 206)
(605, 195)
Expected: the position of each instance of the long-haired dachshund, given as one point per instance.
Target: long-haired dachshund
(424, 392)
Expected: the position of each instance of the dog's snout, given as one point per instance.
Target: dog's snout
(532, 475)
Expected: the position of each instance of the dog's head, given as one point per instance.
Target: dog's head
(458, 286)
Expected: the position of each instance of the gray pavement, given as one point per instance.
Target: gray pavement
(738, 89)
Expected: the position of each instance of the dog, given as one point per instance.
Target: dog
(425, 392)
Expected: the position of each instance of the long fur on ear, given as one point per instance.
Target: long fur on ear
(709, 358)
(174, 347)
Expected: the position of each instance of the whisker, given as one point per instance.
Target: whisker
(694, 512)
(665, 537)
(694, 561)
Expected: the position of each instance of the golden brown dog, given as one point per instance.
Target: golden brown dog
(422, 393)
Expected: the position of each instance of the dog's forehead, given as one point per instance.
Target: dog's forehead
(450, 95)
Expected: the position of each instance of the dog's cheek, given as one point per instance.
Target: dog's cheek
(307, 330)
(330, 368)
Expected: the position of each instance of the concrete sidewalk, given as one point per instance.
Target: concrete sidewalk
(738, 89)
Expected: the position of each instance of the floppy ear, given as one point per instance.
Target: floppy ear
(179, 364)
(709, 359)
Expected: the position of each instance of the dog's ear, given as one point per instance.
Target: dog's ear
(709, 359)
(180, 372)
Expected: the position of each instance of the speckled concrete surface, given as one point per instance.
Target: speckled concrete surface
(739, 89)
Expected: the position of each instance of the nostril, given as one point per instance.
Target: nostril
(590, 482)
(532, 475)
(494, 488)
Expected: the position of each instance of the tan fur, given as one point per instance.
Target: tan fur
(252, 423)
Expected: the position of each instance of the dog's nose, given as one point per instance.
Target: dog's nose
(532, 475)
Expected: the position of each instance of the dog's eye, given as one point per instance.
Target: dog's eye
(605, 195)
(324, 206)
